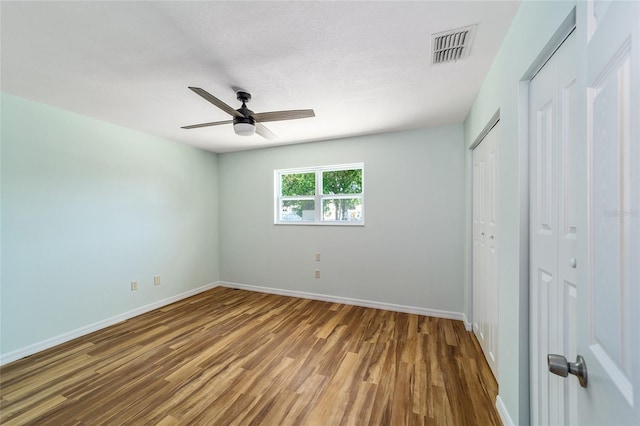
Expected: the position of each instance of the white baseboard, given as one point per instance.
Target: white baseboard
(504, 414)
(65, 337)
(350, 301)
(467, 325)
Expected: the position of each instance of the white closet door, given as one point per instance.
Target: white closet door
(486, 246)
(553, 279)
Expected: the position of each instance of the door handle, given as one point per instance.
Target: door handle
(573, 262)
(558, 365)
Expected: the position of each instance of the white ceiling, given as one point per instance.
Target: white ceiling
(364, 67)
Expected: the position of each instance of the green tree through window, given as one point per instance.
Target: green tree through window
(326, 194)
(299, 184)
(340, 182)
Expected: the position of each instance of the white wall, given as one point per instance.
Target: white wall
(408, 253)
(86, 208)
(533, 27)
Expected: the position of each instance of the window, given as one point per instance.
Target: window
(326, 195)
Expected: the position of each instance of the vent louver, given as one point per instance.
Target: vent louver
(451, 46)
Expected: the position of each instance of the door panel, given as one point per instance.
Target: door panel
(545, 288)
(568, 207)
(609, 310)
(544, 143)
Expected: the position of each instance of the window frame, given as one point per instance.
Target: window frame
(319, 197)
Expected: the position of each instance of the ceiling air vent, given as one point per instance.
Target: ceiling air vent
(453, 45)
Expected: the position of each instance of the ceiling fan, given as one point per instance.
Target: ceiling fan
(246, 122)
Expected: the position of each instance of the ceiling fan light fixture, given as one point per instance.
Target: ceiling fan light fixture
(244, 126)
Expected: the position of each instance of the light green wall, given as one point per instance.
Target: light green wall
(409, 252)
(533, 27)
(86, 208)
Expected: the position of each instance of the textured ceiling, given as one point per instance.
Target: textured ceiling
(362, 66)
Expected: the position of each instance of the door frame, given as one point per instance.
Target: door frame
(560, 35)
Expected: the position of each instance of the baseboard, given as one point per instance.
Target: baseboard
(65, 337)
(467, 325)
(350, 301)
(502, 411)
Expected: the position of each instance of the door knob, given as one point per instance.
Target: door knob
(558, 365)
(573, 262)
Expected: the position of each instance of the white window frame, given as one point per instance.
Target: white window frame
(318, 197)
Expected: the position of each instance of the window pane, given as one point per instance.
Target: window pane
(298, 184)
(342, 209)
(342, 182)
(297, 210)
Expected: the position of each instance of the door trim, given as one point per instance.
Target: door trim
(487, 128)
(556, 40)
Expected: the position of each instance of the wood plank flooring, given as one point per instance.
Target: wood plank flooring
(233, 357)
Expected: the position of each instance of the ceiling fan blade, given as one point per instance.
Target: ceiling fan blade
(217, 102)
(213, 123)
(283, 115)
(264, 132)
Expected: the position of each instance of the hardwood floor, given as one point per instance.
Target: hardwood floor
(237, 357)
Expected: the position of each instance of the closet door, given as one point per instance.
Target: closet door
(486, 246)
(553, 234)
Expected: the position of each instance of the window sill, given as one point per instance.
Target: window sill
(301, 223)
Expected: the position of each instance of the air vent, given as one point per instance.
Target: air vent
(453, 45)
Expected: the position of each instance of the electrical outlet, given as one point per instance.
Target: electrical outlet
(134, 285)
(317, 256)
(156, 280)
(317, 273)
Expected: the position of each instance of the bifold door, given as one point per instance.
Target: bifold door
(486, 244)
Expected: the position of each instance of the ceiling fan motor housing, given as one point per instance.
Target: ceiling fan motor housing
(245, 120)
